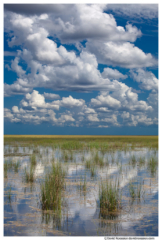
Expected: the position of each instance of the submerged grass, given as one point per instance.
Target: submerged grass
(51, 189)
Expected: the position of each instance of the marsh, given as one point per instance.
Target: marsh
(80, 186)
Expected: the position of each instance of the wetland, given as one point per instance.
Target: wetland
(80, 185)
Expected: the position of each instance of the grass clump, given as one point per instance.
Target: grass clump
(110, 199)
(51, 189)
(83, 184)
(98, 160)
(93, 170)
(7, 166)
(90, 165)
(5, 169)
(16, 166)
(29, 175)
(152, 165)
(33, 160)
(141, 161)
(133, 161)
(135, 193)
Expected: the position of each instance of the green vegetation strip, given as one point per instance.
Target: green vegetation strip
(71, 142)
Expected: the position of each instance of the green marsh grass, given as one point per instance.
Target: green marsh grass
(33, 161)
(88, 163)
(141, 161)
(98, 160)
(29, 175)
(72, 142)
(52, 188)
(16, 166)
(133, 161)
(8, 164)
(135, 191)
(93, 170)
(152, 165)
(110, 198)
(5, 169)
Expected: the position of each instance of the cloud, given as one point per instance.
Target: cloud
(146, 79)
(43, 62)
(70, 23)
(15, 89)
(70, 102)
(33, 109)
(146, 11)
(122, 98)
(107, 101)
(91, 22)
(8, 53)
(54, 67)
(125, 54)
(51, 96)
(93, 118)
(66, 118)
(112, 74)
(36, 100)
(37, 9)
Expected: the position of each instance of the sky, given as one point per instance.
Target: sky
(81, 69)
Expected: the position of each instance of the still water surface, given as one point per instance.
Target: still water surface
(81, 215)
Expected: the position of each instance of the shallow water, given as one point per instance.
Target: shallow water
(81, 215)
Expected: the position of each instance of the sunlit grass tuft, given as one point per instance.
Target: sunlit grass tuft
(51, 189)
(110, 199)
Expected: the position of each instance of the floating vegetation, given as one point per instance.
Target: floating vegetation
(52, 188)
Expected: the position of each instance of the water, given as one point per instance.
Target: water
(80, 213)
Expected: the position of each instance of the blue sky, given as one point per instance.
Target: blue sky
(81, 69)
